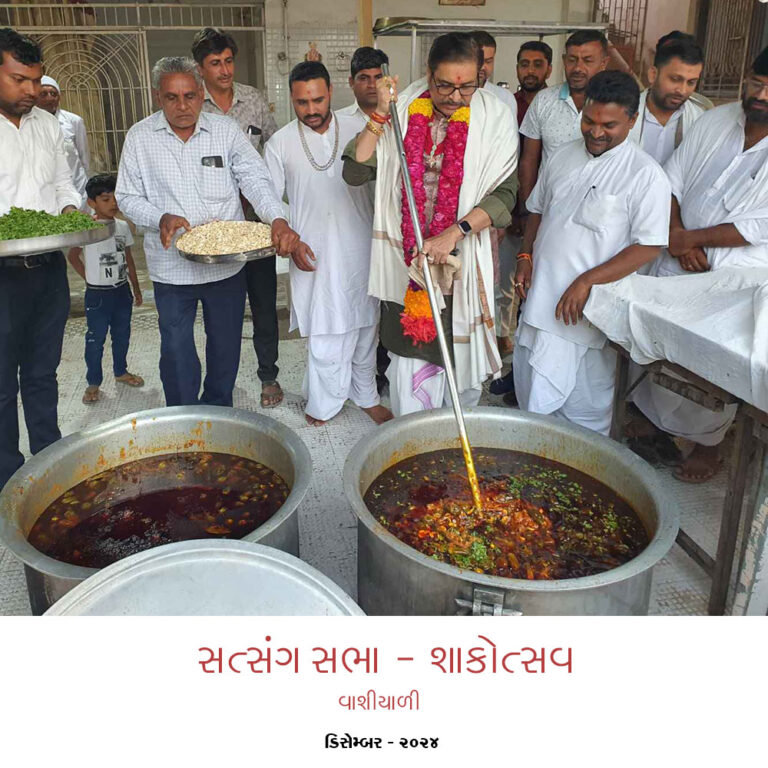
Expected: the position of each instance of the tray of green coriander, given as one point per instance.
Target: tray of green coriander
(24, 232)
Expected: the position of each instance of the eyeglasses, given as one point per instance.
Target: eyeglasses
(446, 89)
(757, 85)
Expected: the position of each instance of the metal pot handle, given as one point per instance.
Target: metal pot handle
(485, 602)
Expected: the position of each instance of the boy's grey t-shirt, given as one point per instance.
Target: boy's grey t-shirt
(105, 265)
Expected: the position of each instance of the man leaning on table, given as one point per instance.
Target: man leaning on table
(34, 293)
(179, 168)
(719, 178)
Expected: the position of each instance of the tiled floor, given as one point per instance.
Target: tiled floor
(328, 538)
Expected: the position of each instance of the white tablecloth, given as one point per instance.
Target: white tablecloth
(714, 324)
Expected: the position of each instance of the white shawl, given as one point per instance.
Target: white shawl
(490, 157)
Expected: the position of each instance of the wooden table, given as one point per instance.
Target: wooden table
(750, 441)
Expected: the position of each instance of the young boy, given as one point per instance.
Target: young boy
(108, 298)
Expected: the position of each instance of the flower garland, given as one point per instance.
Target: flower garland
(417, 321)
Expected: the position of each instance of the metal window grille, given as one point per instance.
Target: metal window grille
(726, 47)
(626, 26)
(98, 53)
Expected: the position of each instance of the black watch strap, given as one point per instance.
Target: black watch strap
(465, 227)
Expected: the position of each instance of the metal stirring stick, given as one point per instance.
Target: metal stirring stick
(445, 354)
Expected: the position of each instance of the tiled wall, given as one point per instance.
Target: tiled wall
(330, 42)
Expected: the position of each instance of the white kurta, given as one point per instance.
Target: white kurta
(592, 208)
(658, 140)
(717, 182)
(335, 221)
(330, 305)
(354, 110)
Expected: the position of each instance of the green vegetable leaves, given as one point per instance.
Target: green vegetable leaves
(21, 222)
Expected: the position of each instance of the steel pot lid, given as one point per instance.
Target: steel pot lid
(208, 578)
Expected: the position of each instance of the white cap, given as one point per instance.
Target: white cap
(50, 81)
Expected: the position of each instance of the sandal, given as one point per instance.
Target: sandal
(130, 380)
(697, 469)
(704, 476)
(271, 394)
(91, 395)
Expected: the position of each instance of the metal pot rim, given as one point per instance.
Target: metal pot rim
(656, 549)
(185, 552)
(294, 446)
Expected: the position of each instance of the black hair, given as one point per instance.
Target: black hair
(453, 47)
(688, 51)
(760, 64)
(212, 40)
(675, 36)
(99, 184)
(537, 45)
(309, 70)
(367, 58)
(24, 50)
(584, 36)
(613, 87)
(483, 39)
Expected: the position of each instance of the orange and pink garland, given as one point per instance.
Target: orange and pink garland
(417, 321)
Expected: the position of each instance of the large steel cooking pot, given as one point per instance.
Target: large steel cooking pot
(394, 579)
(163, 430)
(207, 578)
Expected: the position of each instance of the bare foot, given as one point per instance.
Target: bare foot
(313, 422)
(702, 465)
(379, 413)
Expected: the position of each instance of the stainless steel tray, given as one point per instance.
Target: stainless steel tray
(229, 258)
(27, 246)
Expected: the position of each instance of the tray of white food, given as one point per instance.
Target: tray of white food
(225, 242)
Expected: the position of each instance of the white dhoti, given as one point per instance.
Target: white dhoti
(341, 366)
(417, 385)
(679, 416)
(559, 377)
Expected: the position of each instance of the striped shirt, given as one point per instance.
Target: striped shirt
(198, 179)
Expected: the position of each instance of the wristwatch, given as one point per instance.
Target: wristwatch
(465, 227)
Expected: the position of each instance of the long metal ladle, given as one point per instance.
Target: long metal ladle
(444, 353)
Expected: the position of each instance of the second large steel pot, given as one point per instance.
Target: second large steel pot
(149, 433)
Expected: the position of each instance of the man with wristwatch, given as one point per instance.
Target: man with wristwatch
(464, 183)
(34, 292)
